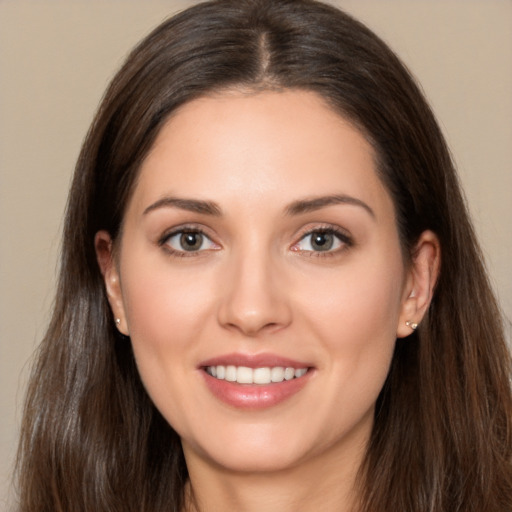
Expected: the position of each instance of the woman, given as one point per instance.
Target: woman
(270, 295)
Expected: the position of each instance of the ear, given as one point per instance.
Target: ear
(420, 283)
(106, 261)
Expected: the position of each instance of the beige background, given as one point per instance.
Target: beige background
(56, 58)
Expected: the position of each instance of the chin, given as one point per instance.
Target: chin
(261, 461)
(248, 453)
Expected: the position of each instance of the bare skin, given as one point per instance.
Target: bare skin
(260, 236)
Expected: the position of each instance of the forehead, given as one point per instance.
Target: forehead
(252, 147)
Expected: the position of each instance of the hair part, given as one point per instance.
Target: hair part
(91, 437)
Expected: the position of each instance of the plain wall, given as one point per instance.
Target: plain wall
(56, 58)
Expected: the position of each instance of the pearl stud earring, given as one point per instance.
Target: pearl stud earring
(412, 325)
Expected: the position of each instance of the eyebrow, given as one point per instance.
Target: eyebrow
(316, 203)
(296, 208)
(191, 205)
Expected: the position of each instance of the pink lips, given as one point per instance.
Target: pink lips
(254, 396)
(254, 361)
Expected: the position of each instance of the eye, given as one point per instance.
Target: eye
(322, 240)
(188, 240)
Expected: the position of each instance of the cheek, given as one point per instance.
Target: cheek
(163, 307)
(355, 311)
(164, 312)
(363, 295)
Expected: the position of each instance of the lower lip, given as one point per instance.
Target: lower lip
(254, 396)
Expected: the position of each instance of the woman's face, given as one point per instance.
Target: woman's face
(259, 245)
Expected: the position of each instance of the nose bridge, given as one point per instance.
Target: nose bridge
(253, 298)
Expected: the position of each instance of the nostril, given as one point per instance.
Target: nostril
(252, 300)
(252, 327)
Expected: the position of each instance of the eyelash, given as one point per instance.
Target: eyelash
(345, 240)
(193, 230)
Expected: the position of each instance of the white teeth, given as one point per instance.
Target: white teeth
(277, 374)
(260, 376)
(221, 372)
(289, 373)
(246, 375)
(231, 373)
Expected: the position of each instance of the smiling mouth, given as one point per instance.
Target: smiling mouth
(246, 375)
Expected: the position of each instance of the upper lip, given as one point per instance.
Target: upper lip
(254, 361)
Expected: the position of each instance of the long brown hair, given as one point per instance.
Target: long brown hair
(91, 438)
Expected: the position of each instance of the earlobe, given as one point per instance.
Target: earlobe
(420, 283)
(105, 256)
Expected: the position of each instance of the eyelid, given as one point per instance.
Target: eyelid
(185, 228)
(342, 235)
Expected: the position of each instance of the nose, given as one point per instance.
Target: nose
(255, 298)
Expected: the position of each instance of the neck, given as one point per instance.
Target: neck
(327, 483)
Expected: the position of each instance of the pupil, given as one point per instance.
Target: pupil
(322, 241)
(191, 241)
